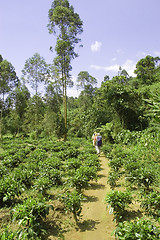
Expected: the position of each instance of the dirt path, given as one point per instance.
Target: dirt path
(96, 223)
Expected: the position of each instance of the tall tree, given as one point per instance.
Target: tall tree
(54, 121)
(17, 103)
(1, 58)
(84, 80)
(145, 70)
(67, 25)
(35, 71)
(8, 80)
(34, 115)
(106, 78)
(123, 102)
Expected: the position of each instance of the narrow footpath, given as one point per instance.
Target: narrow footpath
(96, 222)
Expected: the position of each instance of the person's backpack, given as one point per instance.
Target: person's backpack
(99, 141)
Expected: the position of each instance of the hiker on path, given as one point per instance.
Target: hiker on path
(98, 142)
(93, 136)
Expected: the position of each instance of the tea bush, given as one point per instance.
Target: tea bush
(37, 155)
(72, 163)
(72, 203)
(112, 178)
(81, 177)
(139, 229)
(32, 167)
(137, 159)
(116, 163)
(9, 188)
(7, 234)
(127, 137)
(47, 179)
(30, 216)
(151, 204)
(118, 202)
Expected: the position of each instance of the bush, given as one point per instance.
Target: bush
(81, 177)
(116, 163)
(112, 178)
(8, 234)
(72, 203)
(127, 137)
(30, 215)
(9, 188)
(37, 155)
(118, 201)
(151, 204)
(47, 179)
(72, 163)
(140, 229)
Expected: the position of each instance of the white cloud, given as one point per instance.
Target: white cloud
(157, 53)
(144, 54)
(120, 51)
(141, 54)
(113, 68)
(97, 67)
(96, 46)
(128, 65)
(113, 59)
(73, 92)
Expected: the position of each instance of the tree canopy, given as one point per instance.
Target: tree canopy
(35, 71)
(8, 77)
(67, 26)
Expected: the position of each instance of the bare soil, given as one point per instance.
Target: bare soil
(96, 222)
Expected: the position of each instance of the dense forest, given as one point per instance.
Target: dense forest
(46, 151)
(121, 103)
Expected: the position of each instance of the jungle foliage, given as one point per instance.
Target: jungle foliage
(122, 103)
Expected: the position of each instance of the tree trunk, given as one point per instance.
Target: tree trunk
(1, 121)
(1, 126)
(65, 107)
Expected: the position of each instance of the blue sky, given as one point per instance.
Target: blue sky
(116, 33)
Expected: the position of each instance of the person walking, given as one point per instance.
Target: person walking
(98, 142)
(93, 136)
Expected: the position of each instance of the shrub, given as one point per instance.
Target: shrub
(92, 160)
(8, 234)
(42, 184)
(10, 162)
(70, 152)
(3, 170)
(151, 204)
(47, 179)
(146, 177)
(24, 175)
(118, 202)
(107, 149)
(127, 137)
(116, 163)
(112, 178)
(82, 176)
(37, 155)
(72, 203)
(9, 188)
(30, 215)
(139, 229)
(72, 163)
